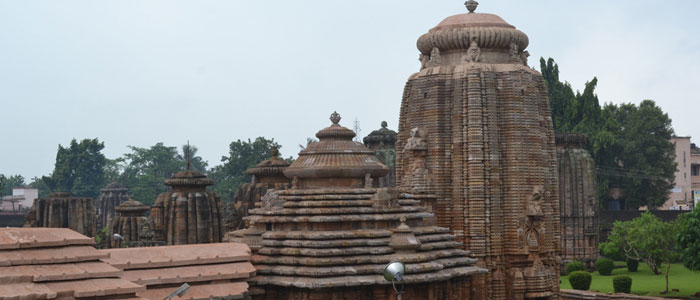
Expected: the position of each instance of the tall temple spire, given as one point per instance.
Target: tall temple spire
(471, 5)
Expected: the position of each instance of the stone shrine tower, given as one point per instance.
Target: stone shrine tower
(189, 214)
(110, 197)
(383, 142)
(330, 235)
(61, 210)
(265, 175)
(578, 196)
(485, 119)
(131, 224)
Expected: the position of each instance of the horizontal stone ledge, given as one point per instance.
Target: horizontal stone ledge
(324, 235)
(323, 203)
(326, 244)
(407, 258)
(334, 211)
(325, 251)
(349, 191)
(337, 218)
(366, 280)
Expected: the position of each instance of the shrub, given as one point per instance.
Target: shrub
(575, 266)
(622, 284)
(580, 280)
(632, 265)
(604, 266)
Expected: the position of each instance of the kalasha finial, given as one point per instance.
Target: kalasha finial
(471, 5)
(384, 124)
(335, 118)
(274, 152)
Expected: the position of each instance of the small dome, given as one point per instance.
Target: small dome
(489, 31)
(383, 135)
(270, 167)
(189, 178)
(131, 206)
(336, 155)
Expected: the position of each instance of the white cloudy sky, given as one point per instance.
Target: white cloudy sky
(134, 72)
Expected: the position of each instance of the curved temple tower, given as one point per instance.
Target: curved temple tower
(485, 118)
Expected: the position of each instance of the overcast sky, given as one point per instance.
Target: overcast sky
(133, 72)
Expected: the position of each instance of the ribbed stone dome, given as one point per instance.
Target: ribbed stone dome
(189, 178)
(458, 33)
(269, 167)
(336, 156)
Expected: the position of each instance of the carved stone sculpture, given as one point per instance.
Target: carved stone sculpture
(578, 195)
(110, 197)
(188, 214)
(60, 210)
(490, 149)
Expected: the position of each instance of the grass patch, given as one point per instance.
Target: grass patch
(644, 282)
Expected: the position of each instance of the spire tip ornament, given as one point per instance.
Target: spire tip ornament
(471, 5)
(335, 118)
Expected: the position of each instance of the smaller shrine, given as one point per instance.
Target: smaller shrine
(132, 226)
(188, 214)
(383, 142)
(578, 196)
(266, 175)
(110, 197)
(332, 233)
(61, 210)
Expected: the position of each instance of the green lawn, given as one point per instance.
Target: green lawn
(644, 282)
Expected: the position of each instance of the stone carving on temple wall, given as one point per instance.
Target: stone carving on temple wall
(515, 53)
(418, 179)
(435, 56)
(135, 229)
(474, 52)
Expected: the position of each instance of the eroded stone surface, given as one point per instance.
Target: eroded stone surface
(61, 210)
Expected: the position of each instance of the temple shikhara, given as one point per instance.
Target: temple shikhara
(485, 119)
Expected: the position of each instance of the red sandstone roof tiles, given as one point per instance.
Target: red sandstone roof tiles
(212, 270)
(49, 263)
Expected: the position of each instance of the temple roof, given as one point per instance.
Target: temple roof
(456, 32)
(269, 167)
(336, 155)
(189, 178)
(211, 270)
(49, 263)
(114, 186)
(382, 135)
(132, 206)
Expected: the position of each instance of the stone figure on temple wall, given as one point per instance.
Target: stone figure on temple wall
(418, 179)
(474, 52)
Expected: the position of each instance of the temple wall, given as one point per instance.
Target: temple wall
(491, 150)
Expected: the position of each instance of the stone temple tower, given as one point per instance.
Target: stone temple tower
(485, 118)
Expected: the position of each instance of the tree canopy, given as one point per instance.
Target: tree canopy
(9, 182)
(230, 175)
(630, 143)
(688, 239)
(79, 169)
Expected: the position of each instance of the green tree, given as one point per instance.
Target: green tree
(196, 162)
(688, 239)
(146, 170)
(647, 239)
(39, 184)
(230, 175)
(630, 144)
(7, 183)
(79, 169)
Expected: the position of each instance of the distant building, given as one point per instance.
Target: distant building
(686, 192)
(21, 199)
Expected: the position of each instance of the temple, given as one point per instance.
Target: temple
(188, 214)
(110, 197)
(61, 210)
(484, 119)
(265, 175)
(132, 225)
(329, 236)
(578, 195)
(383, 142)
